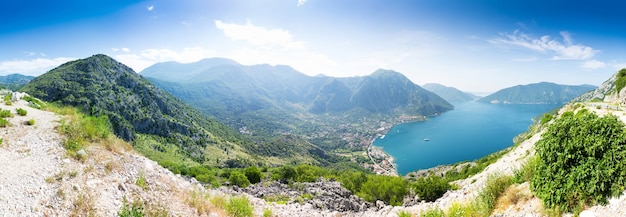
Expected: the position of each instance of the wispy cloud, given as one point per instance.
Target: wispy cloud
(565, 50)
(35, 66)
(593, 64)
(150, 8)
(528, 59)
(259, 36)
(124, 49)
(301, 2)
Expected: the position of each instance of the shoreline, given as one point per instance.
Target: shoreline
(383, 162)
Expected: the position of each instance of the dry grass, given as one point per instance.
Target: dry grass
(204, 204)
(512, 196)
(83, 205)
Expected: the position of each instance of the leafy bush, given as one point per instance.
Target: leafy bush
(546, 118)
(307, 173)
(6, 114)
(286, 173)
(353, 180)
(4, 122)
(238, 179)
(141, 182)
(253, 174)
(389, 189)
(404, 213)
(31, 122)
(431, 188)
(21, 111)
(581, 161)
(239, 207)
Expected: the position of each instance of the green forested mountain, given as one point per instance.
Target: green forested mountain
(450, 94)
(158, 124)
(538, 93)
(274, 100)
(14, 81)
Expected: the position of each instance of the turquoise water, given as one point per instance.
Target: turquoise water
(471, 131)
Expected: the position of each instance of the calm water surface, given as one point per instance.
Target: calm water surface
(470, 131)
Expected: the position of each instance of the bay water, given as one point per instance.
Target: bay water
(471, 131)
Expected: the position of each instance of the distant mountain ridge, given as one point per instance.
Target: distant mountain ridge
(450, 94)
(14, 81)
(537, 93)
(383, 91)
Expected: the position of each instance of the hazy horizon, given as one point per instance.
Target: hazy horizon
(477, 46)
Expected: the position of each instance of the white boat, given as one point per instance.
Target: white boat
(426, 139)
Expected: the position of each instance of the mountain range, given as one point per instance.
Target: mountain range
(537, 93)
(275, 100)
(450, 94)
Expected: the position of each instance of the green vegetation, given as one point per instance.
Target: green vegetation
(267, 212)
(620, 83)
(404, 213)
(141, 182)
(581, 161)
(7, 99)
(30, 122)
(21, 111)
(238, 179)
(389, 189)
(80, 130)
(481, 206)
(6, 114)
(131, 210)
(253, 174)
(239, 207)
(14, 82)
(431, 188)
(4, 122)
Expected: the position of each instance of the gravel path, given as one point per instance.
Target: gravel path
(28, 154)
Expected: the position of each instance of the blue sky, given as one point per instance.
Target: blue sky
(477, 46)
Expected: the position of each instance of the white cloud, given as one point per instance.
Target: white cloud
(150, 8)
(529, 59)
(145, 58)
(301, 2)
(565, 50)
(36, 66)
(259, 36)
(593, 64)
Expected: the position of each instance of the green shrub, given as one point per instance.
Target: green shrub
(4, 122)
(6, 114)
(21, 111)
(581, 161)
(352, 180)
(239, 207)
(434, 212)
(546, 118)
(285, 173)
(404, 213)
(253, 174)
(389, 189)
(238, 179)
(431, 188)
(141, 182)
(131, 210)
(307, 173)
(31, 122)
(267, 212)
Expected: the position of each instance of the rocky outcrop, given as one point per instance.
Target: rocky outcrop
(323, 194)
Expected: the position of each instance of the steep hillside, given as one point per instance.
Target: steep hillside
(608, 90)
(538, 93)
(450, 94)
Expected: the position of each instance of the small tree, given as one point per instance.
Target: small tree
(253, 174)
(238, 179)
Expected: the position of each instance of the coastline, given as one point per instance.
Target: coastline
(382, 161)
